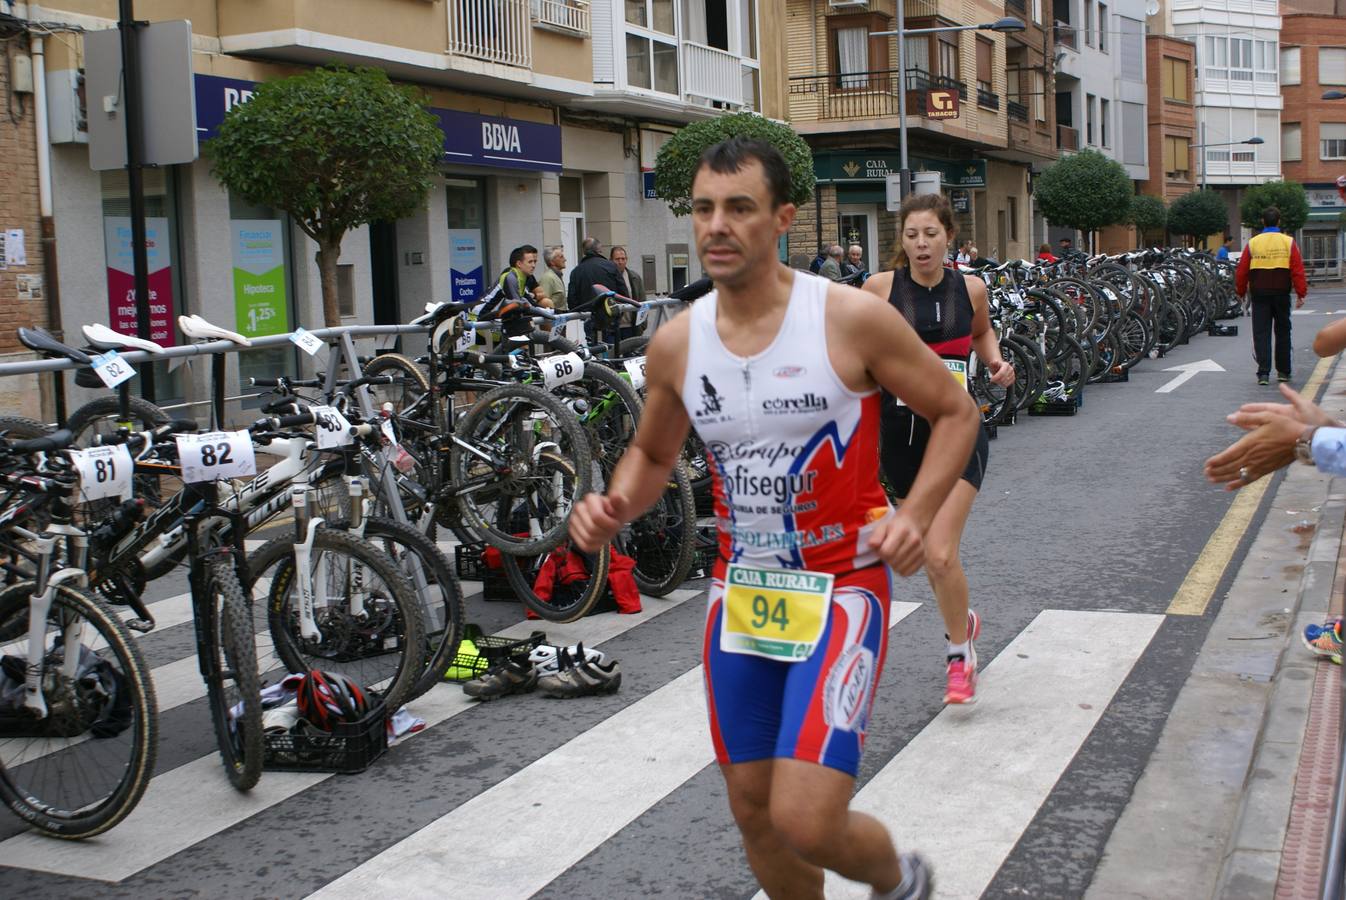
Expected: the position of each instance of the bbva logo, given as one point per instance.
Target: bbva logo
(500, 137)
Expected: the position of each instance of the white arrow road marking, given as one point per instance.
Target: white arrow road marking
(1303, 312)
(1188, 371)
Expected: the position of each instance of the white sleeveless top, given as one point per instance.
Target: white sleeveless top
(793, 452)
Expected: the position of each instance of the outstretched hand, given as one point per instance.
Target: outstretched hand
(1305, 411)
(1268, 446)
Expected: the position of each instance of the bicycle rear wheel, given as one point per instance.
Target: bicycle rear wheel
(84, 767)
(233, 686)
(567, 602)
(663, 540)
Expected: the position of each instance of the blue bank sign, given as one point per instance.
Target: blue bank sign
(469, 138)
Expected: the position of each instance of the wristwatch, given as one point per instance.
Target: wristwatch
(1304, 446)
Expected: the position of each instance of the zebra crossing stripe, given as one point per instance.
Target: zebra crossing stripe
(1037, 702)
(195, 801)
(614, 772)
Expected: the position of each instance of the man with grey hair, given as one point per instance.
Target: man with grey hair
(594, 270)
(551, 282)
(831, 269)
(853, 265)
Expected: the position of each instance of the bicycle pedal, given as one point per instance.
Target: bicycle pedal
(141, 625)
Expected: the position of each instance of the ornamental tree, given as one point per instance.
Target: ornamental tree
(1198, 214)
(1149, 215)
(335, 148)
(1084, 190)
(677, 158)
(1287, 196)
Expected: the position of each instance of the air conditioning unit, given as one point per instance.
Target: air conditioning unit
(848, 4)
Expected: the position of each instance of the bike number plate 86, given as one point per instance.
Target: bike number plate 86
(559, 370)
(216, 455)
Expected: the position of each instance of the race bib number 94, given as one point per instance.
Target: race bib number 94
(958, 369)
(779, 614)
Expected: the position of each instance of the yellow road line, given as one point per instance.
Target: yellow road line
(1198, 587)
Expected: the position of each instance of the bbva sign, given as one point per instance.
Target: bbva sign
(495, 136)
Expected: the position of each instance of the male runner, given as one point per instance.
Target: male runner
(779, 371)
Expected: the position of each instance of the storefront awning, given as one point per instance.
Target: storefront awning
(1327, 216)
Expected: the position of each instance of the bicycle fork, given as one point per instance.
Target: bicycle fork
(39, 607)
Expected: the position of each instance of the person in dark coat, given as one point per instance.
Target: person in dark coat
(594, 269)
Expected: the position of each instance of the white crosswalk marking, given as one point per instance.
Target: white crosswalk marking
(194, 801)
(1037, 702)
(577, 775)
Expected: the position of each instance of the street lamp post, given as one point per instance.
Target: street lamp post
(1203, 145)
(1004, 25)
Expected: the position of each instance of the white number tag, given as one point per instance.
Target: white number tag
(104, 472)
(636, 369)
(559, 370)
(331, 428)
(112, 368)
(642, 314)
(468, 339)
(218, 454)
(307, 341)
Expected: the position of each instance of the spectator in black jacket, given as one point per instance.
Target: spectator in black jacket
(594, 269)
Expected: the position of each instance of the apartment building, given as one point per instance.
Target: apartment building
(843, 98)
(1171, 114)
(1313, 130)
(552, 111)
(1237, 95)
(1101, 89)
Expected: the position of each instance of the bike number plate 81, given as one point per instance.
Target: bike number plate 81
(216, 455)
(103, 472)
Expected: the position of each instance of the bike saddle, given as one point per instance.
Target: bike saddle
(40, 341)
(105, 338)
(198, 329)
(57, 440)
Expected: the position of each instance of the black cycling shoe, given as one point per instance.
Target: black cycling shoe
(510, 677)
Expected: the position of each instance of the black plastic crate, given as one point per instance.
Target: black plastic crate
(471, 564)
(491, 651)
(347, 749)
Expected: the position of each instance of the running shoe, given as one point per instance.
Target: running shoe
(1283, 379)
(581, 679)
(919, 883)
(1325, 643)
(962, 682)
(513, 676)
(1263, 380)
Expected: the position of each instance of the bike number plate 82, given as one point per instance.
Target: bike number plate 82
(216, 455)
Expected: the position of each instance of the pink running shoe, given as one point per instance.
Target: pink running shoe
(962, 684)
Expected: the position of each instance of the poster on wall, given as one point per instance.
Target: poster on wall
(260, 306)
(121, 282)
(465, 265)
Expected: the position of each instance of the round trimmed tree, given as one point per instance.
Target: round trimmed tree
(1198, 215)
(677, 158)
(1287, 196)
(1086, 191)
(1149, 215)
(335, 148)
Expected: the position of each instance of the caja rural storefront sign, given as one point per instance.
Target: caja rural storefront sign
(862, 166)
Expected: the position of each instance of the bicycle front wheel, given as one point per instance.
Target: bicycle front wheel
(83, 767)
(368, 620)
(233, 686)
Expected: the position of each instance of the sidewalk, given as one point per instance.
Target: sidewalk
(1235, 800)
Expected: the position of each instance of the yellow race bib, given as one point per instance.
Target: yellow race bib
(779, 614)
(958, 369)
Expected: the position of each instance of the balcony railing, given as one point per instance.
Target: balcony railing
(921, 9)
(1064, 35)
(868, 95)
(988, 99)
(1017, 111)
(563, 15)
(712, 74)
(498, 31)
(1067, 138)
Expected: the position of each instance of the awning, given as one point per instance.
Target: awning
(1323, 216)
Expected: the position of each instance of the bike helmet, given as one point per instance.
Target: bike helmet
(327, 698)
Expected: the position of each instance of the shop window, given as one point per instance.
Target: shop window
(263, 290)
(466, 203)
(165, 271)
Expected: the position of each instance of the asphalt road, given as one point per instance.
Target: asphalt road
(1084, 530)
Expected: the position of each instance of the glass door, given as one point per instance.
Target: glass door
(467, 238)
(855, 225)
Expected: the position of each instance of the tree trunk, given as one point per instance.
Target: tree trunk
(329, 252)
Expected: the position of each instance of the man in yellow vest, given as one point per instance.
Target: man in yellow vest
(1269, 266)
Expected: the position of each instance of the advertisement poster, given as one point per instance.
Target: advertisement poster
(121, 278)
(260, 307)
(465, 265)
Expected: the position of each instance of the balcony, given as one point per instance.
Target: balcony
(1064, 35)
(987, 99)
(1067, 138)
(710, 73)
(864, 95)
(921, 9)
(1017, 112)
(497, 31)
(566, 16)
